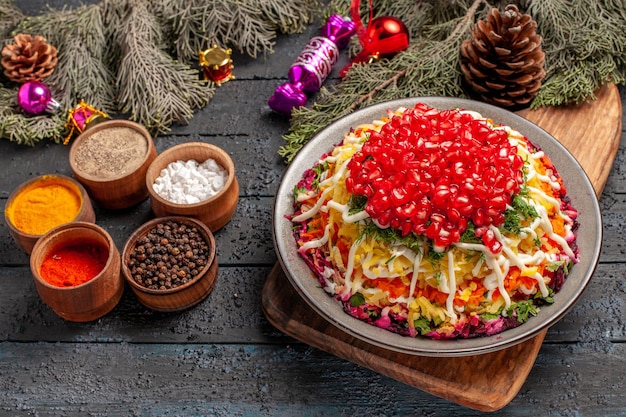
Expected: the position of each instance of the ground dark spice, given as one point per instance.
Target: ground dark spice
(169, 256)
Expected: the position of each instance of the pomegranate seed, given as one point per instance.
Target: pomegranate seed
(489, 240)
(399, 196)
(430, 172)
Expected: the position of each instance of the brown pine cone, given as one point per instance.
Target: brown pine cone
(28, 58)
(503, 63)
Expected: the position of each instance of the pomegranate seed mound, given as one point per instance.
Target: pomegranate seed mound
(430, 172)
(436, 223)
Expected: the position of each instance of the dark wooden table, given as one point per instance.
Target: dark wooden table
(222, 357)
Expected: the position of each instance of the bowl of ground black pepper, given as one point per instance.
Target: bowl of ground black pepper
(42, 203)
(194, 179)
(76, 268)
(170, 263)
(111, 159)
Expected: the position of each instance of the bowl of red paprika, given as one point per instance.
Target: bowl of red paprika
(76, 268)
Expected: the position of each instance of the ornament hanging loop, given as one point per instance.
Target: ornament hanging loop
(383, 37)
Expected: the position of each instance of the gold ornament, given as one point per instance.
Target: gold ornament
(217, 66)
(82, 117)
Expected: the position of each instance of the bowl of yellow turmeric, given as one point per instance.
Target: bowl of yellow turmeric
(43, 203)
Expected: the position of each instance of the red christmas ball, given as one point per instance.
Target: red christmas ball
(385, 35)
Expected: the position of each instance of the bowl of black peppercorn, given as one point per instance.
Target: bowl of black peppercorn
(170, 263)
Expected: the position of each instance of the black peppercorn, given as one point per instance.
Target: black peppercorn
(168, 256)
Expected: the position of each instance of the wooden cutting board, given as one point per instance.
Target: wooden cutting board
(487, 382)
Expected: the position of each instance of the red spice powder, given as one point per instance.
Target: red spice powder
(69, 266)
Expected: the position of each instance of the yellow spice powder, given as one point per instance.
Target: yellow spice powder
(43, 206)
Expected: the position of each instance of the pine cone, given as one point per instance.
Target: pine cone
(503, 62)
(28, 58)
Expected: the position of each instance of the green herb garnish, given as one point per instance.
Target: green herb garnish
(357, 300)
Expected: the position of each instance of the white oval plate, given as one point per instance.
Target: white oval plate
(579, 189)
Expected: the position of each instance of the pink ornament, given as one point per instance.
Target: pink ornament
(312, 66)
(34, 97)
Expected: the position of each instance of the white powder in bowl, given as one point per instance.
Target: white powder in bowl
(188, 182)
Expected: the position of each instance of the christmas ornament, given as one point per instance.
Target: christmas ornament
(28, 58)
(82, 117)
(311, 68)
(34, 97)
(383, 37)
(217, 66)
(503, 62)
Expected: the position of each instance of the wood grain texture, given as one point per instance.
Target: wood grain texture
(486, 382)
(591, 131)
(294, 380)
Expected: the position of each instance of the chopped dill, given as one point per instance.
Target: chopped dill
(520, 204)
(548, 299)
(356, 203)
(357, 300)
(522, 310)
(512, 222)
(434, 258)
(556, 265)
(438, 277)
(521, 211)
(318, 169)
(390, 235)
(298, 190)
(469, 235)
(422, 325)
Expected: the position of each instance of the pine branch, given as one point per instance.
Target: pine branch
(9, 17)
(584, 48)
(23, 129)
(155, 89)
(426, 68)
(288, 19)
(245, 25)
(583, 40)
(81, 73)
(119, 55)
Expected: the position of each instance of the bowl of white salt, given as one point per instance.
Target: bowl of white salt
(110, 160)
(194, 179)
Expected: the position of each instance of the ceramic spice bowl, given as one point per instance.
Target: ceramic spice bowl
(170, 263)
(76, 268)
(183, 182)
(42, 203)
(111, 159)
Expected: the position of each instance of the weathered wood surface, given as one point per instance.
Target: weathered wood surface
(222, 357)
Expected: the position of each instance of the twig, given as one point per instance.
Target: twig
(371, 94)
